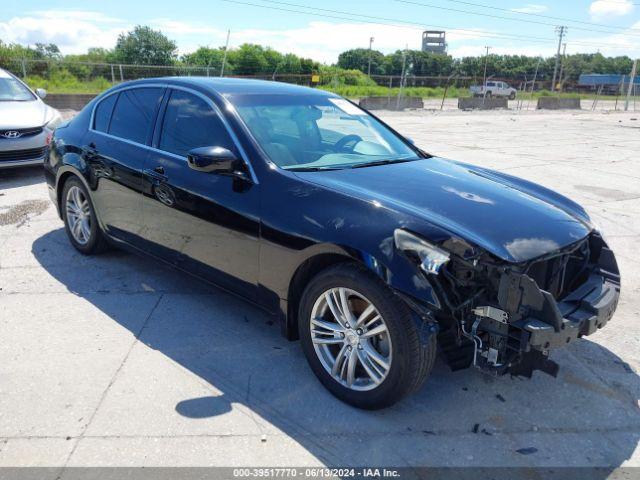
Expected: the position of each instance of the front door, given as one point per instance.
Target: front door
(205, 223)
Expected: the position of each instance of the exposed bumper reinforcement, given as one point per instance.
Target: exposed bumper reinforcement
(582, 312)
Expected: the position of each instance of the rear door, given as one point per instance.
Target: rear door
(205, 223)
(115, 150)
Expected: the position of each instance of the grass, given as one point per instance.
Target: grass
(68, 84)
(65, 82)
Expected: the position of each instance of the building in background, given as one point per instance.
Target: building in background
(434, 41)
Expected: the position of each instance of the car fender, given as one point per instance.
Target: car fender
(402, 276)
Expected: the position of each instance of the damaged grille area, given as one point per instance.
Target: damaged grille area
(563, 272)
(507, 316)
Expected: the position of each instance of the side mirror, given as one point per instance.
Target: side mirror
(214, 160)
(41, 92)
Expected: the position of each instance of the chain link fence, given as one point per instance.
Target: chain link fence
(93, 78)
(111, 74)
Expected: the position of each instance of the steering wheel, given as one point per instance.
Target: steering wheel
(341, 145)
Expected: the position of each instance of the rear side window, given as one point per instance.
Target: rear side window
(103, 113)
(189, 122)
(134, 113)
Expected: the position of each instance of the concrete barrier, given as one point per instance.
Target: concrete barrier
(479, 103)
(391, 103)
(555, 103)
(68, 101)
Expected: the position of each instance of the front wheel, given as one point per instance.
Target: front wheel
(361, 340)
(512, 96)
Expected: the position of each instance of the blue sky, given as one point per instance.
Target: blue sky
(609, 26)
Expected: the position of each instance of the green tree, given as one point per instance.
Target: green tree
(358, 59)
(145, 46)
(208, 57)
(249, 59)
(48, 50)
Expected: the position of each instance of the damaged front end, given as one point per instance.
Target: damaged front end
(506, 317)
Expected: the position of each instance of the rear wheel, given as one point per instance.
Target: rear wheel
(80, 219)
(360, 339)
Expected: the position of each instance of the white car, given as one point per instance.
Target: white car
(494, 89)
(26, 123)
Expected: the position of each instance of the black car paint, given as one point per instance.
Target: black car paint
(253, 234)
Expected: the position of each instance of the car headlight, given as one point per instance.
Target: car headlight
(54, 121)
(432, 258)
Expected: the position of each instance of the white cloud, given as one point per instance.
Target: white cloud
(531, 8)
(76, 31)
(610, 8)
(324, 41)
(175, 27)
(73, 31)
(623, 43)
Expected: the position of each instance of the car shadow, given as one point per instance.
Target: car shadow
(587, 416)
(20, 177)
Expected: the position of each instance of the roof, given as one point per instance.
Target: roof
(605, 79)
(234, 86)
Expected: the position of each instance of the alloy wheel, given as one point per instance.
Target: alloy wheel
(78, 215)
(351, 339)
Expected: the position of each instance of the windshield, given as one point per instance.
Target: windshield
(12, 90)
(313, 132)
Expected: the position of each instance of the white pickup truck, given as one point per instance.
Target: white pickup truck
(494, 89)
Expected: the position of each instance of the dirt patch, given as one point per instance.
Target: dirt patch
(19, 214)
(608, 193)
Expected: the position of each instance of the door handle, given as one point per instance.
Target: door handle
(156, 174)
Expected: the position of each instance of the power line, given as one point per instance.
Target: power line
(376, 20)
(501, 17)
(540, 15)
(403, 23)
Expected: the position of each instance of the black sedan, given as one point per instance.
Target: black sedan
(369, 250)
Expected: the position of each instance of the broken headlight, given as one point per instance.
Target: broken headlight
(431, 257)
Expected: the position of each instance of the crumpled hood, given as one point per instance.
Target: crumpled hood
(23, 114)
(511, 218)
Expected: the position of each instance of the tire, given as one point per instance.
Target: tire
(409, 360)
(92, 240)
(512, 96)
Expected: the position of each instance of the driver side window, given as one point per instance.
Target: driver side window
(189, 122)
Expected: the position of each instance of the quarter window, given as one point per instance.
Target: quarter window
(103, 113)
(189, 122)
(134, 113)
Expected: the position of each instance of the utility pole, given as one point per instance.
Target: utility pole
(370, 52)
(486, 60)
(402, 76)
(561, 31)
(564, 57)
(533, 83)
(484, 77)
(226, 49)
(631, 84)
